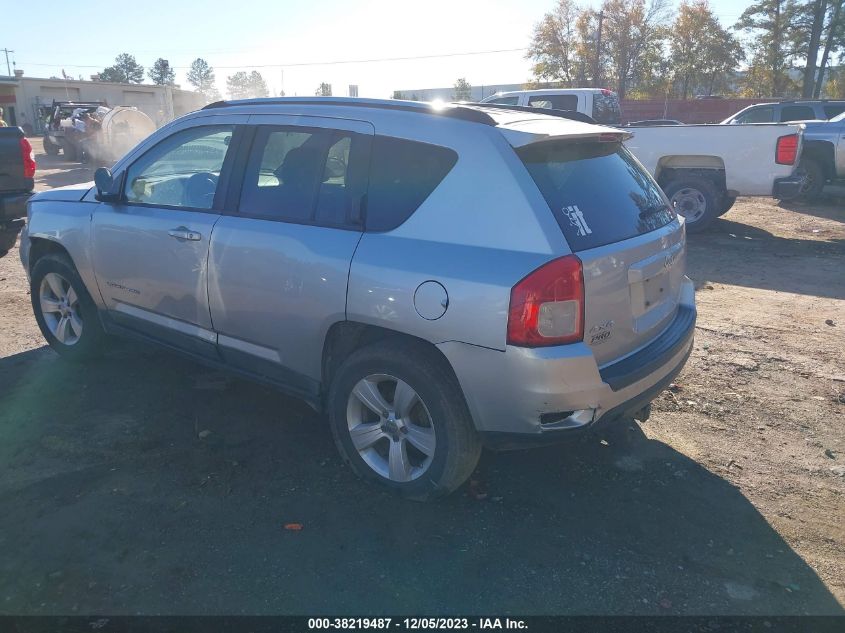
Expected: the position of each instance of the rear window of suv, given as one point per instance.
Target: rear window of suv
(606, 108)
(597, 191)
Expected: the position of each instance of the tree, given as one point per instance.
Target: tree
(161, 73)
(835, 86)
(246, 86)
(591, 65)
(257, 85)
(124, 70)
(324, 90)
(463, 90)
(555, 44)
(834, 39)
(769, 21)
(632, 39)
(816, 27)
(397, 94)
(201, 77)
(702, 53)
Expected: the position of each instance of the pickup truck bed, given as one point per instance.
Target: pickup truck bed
(17, 171)
(703, 168)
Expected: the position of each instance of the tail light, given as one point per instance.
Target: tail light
(28, 158)
(547, 306)
(787, 150)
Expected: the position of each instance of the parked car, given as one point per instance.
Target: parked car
(434, 279)
(823, 157)
(598, 103)
(787, 111)
(703, 168)
(59, 134)
(17, 173)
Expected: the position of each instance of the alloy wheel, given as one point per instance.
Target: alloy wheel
(60, 308)
(390, 427)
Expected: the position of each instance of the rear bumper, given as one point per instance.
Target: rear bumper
(523, 397)
(13, 206)
(12, 212)
(786, 188)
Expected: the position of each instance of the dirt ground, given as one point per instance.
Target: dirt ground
(144, 483)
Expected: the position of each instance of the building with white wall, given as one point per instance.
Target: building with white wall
(25, 99)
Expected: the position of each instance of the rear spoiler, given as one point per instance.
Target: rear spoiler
(563, 114)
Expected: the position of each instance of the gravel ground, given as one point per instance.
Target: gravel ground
(145, 483)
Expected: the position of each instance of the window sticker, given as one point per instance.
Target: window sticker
(576, 219)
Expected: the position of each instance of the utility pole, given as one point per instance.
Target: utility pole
(597, 68)
(8, 68)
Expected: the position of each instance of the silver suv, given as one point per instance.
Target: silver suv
(433, 279)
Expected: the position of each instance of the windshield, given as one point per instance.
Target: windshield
(598, 191)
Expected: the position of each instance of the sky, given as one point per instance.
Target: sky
(294, 45)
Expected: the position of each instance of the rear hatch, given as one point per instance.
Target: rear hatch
(620, 225)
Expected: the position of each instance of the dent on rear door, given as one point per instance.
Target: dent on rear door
(274, 289)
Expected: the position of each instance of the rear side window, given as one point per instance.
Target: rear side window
(831, 111)
(402, 175)
(606, 108)
(796, 113)
(554, 102)
(597, 191)
(301, 175)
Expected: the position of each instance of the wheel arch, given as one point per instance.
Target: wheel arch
(823, 152)
(41, 246)
(345, 337)
(715, 173)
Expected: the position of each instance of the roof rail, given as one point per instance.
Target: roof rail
(453, 111)
(563, 114)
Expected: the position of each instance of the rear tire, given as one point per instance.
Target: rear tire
(64, 311)
(813, 176)
(421, 443)
(696, 199)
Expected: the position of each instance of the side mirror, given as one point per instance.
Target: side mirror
(105, 184)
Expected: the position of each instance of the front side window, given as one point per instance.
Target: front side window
(757, 115)
(181, 171)
(554, 102)
(300, 175)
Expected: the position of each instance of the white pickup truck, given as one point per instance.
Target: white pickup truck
(701, 168)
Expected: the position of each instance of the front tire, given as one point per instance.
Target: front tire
(399, 418)
(64, 310)
(696, 199)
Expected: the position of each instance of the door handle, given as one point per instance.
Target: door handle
(184, 233)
